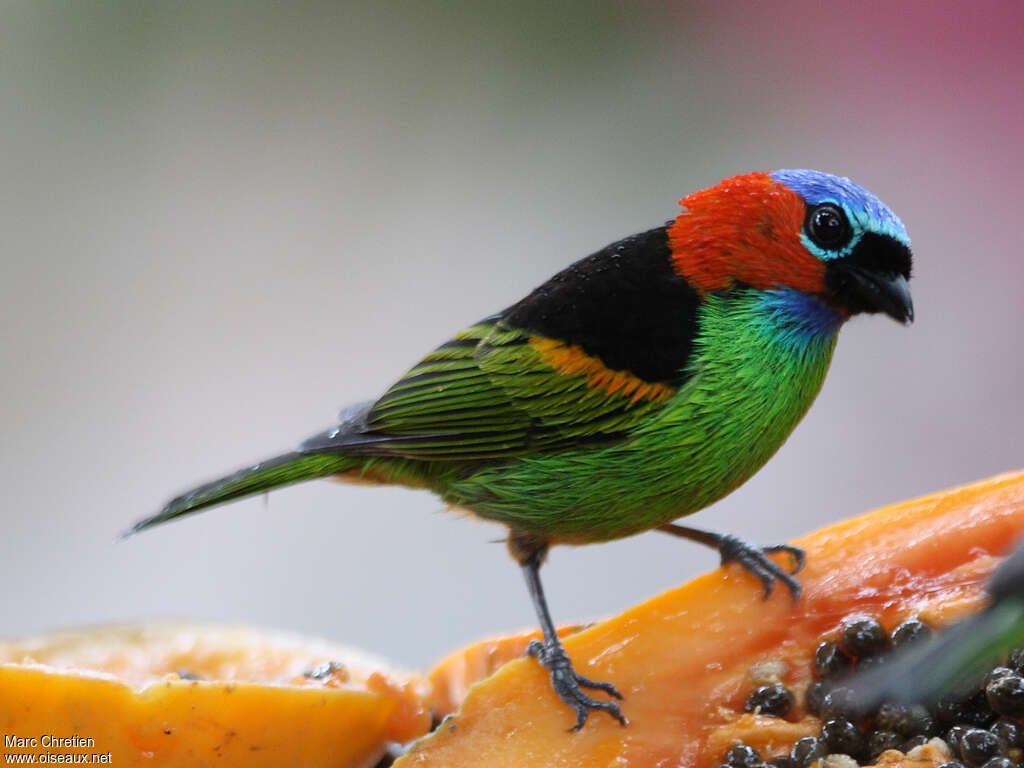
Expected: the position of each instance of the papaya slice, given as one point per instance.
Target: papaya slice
(451, 677)
(686, 660)
(176, 694)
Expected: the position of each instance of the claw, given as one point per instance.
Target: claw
(798, 555)
(755, 560)
(567, 683)
(586, 682)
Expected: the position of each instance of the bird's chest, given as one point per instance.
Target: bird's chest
(756, 371)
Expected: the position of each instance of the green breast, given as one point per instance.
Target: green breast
(759, 362)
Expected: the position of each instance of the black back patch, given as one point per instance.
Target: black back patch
(624, 305)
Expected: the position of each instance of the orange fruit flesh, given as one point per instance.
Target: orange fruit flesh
(683, 659)
(121, 692)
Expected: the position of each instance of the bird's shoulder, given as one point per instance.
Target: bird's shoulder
(624, 304)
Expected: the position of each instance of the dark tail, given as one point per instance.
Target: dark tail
(267, 475)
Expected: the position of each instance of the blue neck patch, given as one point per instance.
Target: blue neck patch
(797, 318)
(865, 211)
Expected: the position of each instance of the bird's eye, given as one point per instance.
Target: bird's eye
(827, 226)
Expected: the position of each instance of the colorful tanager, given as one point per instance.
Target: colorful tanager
(638, 385)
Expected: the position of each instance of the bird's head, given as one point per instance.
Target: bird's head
(799, 229)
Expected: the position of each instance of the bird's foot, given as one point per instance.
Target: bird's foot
(755, 560)
(568, 683)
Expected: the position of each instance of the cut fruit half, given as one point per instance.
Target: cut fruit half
(689, 660)
(181, 694)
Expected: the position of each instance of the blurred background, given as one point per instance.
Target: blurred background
(223, 221)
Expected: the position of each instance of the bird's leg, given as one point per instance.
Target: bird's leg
(751, 557)
(529, 552)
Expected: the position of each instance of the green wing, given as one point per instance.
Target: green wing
(495, 391)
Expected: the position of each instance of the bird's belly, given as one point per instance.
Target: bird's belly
(718, 430)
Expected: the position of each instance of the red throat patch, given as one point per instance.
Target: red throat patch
(744, 230)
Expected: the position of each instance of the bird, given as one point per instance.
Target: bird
(640, 384)
(953, 663)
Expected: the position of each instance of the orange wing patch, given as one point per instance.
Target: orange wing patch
(570, 359)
